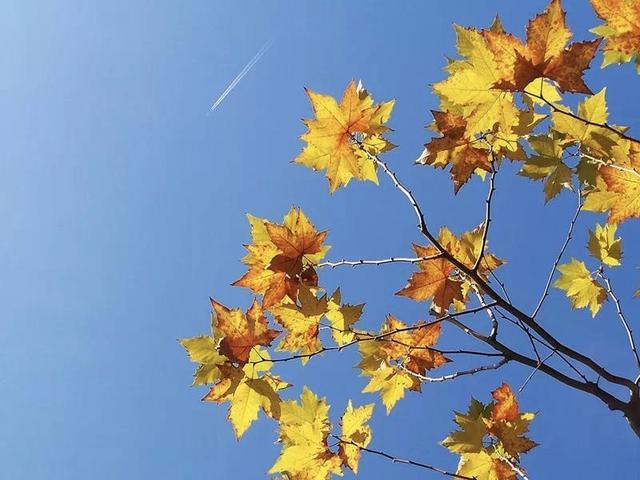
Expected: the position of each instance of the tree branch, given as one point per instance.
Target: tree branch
(462, 373)
(395, 459)
(485, 287)
(383, 261)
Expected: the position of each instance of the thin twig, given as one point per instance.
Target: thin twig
(533, 372)
(451, 376)
(588, 387)
(622, 318)
(490, 314)
(395, 459)
(515, 468)
(383, 261)
(487, 215)
(569, 113)
(568, 238)
(612, 165)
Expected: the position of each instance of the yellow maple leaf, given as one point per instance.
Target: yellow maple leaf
(343, 136)
(248, 392)
(484, 466)
(546, 164)
(580, 287)
(356, 434)
(342, 318)
(302, 323)
(604, 246)
(491, 438)
(304, 429)
(626, 185)
(282, 256)
(204, 350)
(621, 30)
(473, 428)
(391, 383)
(469, 90)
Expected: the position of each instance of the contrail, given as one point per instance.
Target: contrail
(241, 75)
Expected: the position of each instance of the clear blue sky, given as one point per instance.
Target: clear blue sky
(122, 210)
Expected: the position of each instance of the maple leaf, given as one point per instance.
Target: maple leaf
(304, 429)
(391, 383)
(508, 424)
(241, 332)
(621, 30)
(302, 323)
(506, 406)
(394, 358)
(356, 434)
(546, 164)
(626, 185)
(344, 136)
(546, 54)
(456, 148)
(437, 277)
(203, 349)
(434, 280)
(503, 425)
(469, 91)
(282, 256)
(342, 318)
(412, 348)
(586, 130)
(604, 246)
(473, 428)
(248, 392)
(580, 287)
(485, 466)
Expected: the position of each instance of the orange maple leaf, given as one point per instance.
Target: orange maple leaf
(433, 280)
(506, 406)
(455, 148)
(545, 53)
(413, 346)
(241, 332)
(281, 257)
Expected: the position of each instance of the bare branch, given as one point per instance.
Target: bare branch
(611, 401)
(395, 459)
(568, 238)
(592, 388)
(451, 376)
(355, 263)
(612, 165)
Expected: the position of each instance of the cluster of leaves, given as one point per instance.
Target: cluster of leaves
(491, 437)
(500, 101)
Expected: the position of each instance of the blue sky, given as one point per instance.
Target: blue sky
(122, 204)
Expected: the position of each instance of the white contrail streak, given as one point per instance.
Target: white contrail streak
(241, 75)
